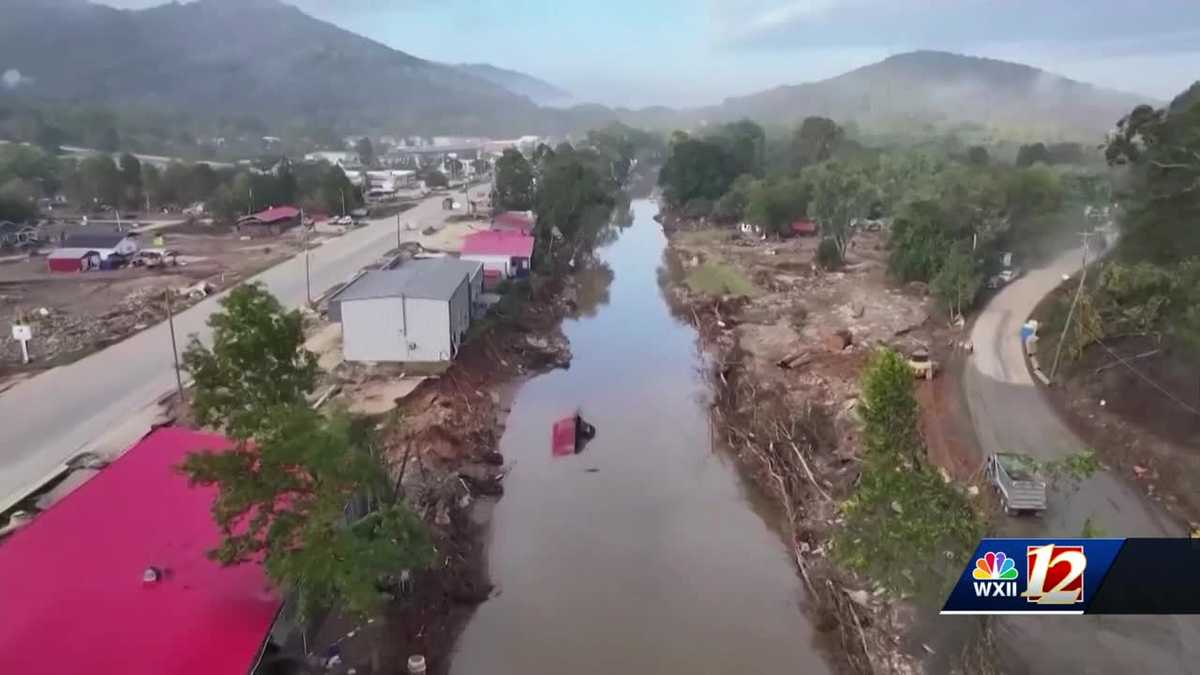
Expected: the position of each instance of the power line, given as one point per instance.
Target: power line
(1145, 377)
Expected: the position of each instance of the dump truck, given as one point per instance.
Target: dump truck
(1016, 479)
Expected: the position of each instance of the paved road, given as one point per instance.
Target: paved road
(48, 418)
(1010, 413)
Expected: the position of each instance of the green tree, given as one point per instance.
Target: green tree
(575, 197)
(978, 155)
(731, 207)
(958, 283)
(366, 152)
(922, 236)
(151, 182)
(774, 204)
(283, 500)
(100, 182)
(815, 141)
(257, 363)
(1028, 155)
(696, 169)
(745, 143)
(131, 180)
(902, 513)
(841, 195)
(1161, 150)
(17, 201)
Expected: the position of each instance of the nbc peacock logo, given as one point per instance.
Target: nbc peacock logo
(995, 576)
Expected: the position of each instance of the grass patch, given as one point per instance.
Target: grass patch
(716, 278)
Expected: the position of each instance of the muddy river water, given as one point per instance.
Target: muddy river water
(644, 553)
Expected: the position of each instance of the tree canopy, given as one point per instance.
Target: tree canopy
(284, 491)
(257, 363)
(513, 189)
(1161, 151)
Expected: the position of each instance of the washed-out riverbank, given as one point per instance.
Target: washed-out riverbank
(644, 553)
(788, 343)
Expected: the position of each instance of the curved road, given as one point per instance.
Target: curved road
(1010, 413)
(49, 418)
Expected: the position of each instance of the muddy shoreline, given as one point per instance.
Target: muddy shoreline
(440, 441)
(792, 428)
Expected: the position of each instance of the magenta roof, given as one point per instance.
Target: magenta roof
(275, 214)
(499, 242)
(71, 581)
(804, 227)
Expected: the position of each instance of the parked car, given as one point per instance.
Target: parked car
(155, 257)
(1011, 274)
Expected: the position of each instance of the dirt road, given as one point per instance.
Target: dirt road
(1010, 413)
(49, 418)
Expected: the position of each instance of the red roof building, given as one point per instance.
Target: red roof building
(271, 221)
(508, 252)
(76, 583)
(804, 228)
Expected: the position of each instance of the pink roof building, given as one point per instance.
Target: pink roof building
(75, 583)
(507, 252)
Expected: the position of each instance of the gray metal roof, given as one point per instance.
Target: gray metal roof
(432, 279)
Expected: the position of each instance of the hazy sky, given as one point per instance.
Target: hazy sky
(689, 52)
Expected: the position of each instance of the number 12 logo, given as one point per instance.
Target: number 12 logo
(1055, 574)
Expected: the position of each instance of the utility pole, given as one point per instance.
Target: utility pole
(174, 346)
(342, 192)
(250, 205)
(397, 231)
(1071, 313)
(307, 279)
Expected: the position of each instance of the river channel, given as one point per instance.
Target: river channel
(644, 553)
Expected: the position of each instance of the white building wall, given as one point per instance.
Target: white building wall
(428, 336)
(492, 262)
(460, 315)
(373, 330)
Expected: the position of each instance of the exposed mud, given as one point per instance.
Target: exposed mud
(788, 357)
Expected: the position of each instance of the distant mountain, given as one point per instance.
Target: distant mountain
(939, 87)
(536, 90)
(231, 57)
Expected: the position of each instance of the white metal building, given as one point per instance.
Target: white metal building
(419, 312)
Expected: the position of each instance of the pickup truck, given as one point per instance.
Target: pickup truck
(1015, 478)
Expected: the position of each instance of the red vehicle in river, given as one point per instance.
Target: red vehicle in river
(569, 435)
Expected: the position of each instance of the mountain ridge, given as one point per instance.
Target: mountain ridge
(269, 59)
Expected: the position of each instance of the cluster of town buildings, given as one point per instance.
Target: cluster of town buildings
(420, 310)
(124, 555)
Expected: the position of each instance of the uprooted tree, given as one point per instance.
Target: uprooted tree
(307, 496)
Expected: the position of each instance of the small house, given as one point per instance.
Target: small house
(503, 252)
(804, 228)
(107, 244)
(270, 222)
(419, 312)
(73, 260)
